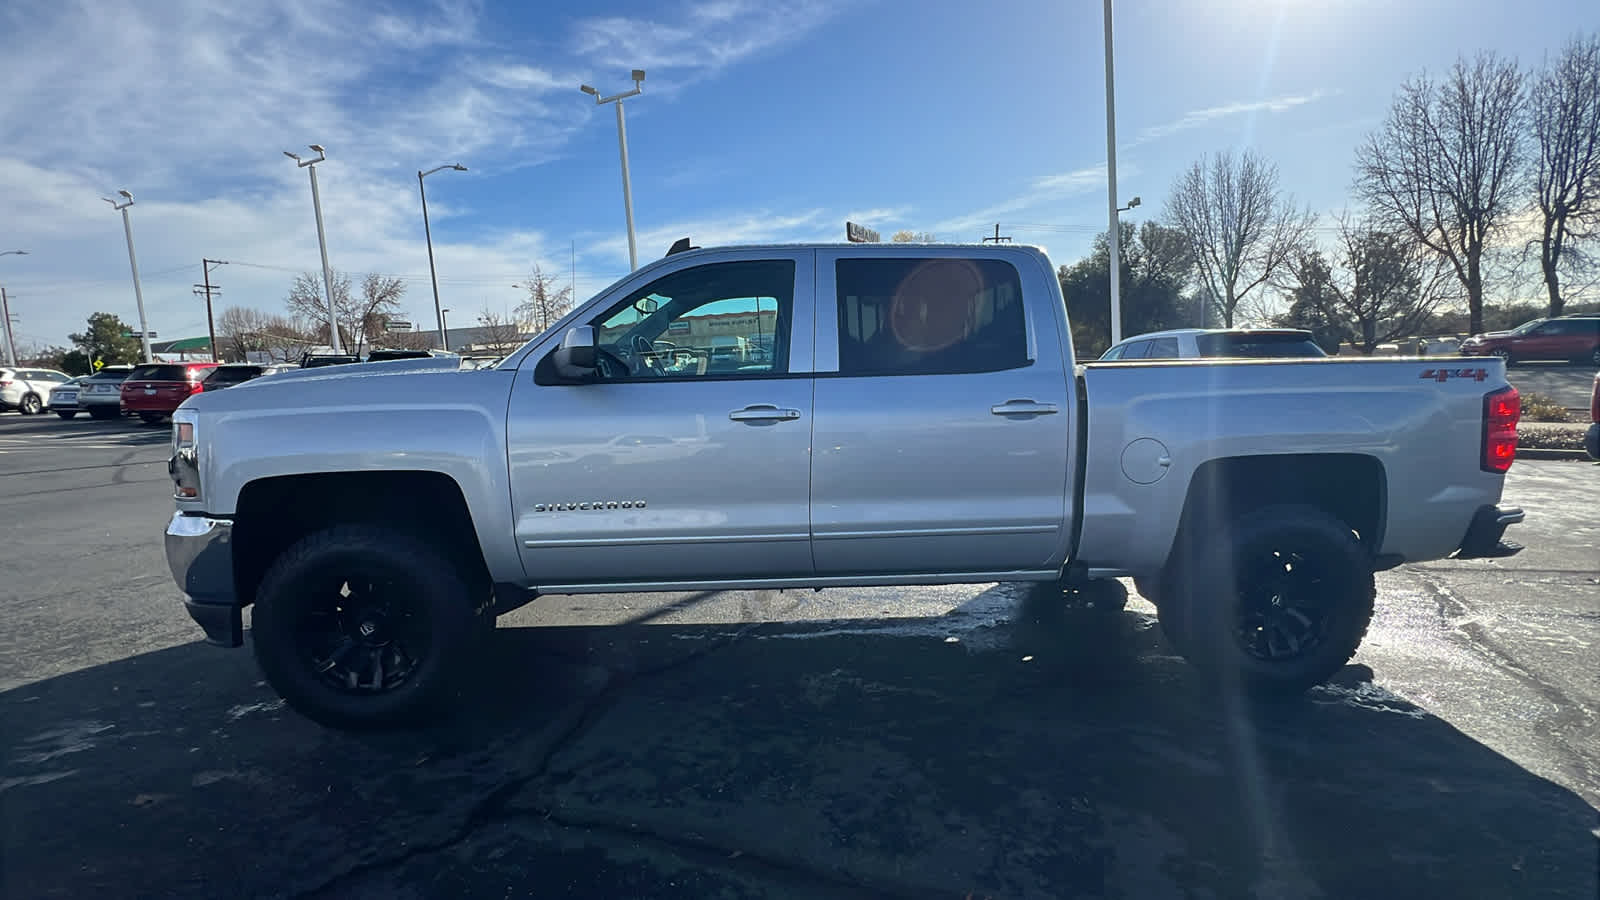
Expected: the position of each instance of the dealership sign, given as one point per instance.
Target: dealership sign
(860, 234)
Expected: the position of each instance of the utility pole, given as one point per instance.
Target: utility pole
(1114, 233)
(998, 237)
(5, 312)
(207, 290)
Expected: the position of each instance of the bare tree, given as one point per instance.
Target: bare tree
(1565, 105)
(546, 302)
(1444, 165)
(1244, 232)
(1379, 286)
(243, 332)
(358, 317)
(912, 237)
(500, 333)
(406, 340)
(380, 299)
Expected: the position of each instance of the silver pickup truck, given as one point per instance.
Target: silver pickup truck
(817, 416)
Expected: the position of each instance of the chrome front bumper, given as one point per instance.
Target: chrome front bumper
(200, 554)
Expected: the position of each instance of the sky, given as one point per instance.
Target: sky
(760, 120)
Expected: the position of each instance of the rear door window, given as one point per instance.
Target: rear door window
(1162, 348)
(929, 316)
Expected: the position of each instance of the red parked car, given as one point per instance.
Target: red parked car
(155, 390)
(1575, 338)
(1591, 440)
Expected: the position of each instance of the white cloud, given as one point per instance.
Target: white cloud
(1200, 117)
(188, 103)
(707, 36)
(1043, 192)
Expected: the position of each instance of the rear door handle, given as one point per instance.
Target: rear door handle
(1024, 408)
(764, 412)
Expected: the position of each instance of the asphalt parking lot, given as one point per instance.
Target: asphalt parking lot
(945, 742)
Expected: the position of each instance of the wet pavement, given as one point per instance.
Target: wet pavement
(957, 742)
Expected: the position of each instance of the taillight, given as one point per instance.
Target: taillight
(1501, 411)
(1594, 401)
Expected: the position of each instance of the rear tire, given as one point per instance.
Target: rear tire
(102, 413)
(1277, 603)
(30, 405)
(66, 413)
(364, 627)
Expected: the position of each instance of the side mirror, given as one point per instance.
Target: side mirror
(576, 358)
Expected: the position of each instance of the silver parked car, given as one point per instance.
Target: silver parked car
(1217, 343)
(100, 395)
(28, 390)
(64, 399)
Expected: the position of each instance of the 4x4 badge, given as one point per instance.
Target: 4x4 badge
(1443, 375)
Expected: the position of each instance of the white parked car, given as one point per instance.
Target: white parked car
(1216, 343)
(28, 390)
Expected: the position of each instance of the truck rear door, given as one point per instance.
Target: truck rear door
(944, 418)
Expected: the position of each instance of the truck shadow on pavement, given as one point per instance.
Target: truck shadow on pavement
(1030, 756)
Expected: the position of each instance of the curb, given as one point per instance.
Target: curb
(1550, 453)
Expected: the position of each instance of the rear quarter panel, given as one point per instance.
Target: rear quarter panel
(1425, 433)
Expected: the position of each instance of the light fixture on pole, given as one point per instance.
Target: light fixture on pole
(5, 314)
(322, 242)
(444, 340)
(442, 321)
(133, 263)
(1111, 186)
(622, 141)
(1131, 204)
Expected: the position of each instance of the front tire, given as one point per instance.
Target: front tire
(151, 418)
(1505, 356)
(363, 627)
(66, 413)
(102, 413)
(1279, 603)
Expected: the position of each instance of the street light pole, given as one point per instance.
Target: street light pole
(5, 314)
(1111, 186)
(133, 263)
(322, 242)
(622, 143)
(444, 339)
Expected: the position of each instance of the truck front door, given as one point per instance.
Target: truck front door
(944, 419)
(685, 461)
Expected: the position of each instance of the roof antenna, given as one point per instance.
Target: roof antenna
(680, 246)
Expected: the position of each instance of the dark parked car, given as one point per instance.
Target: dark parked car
(316, 361)
(1575, 338)
(383, 355)
(154, 391)
(230, 374)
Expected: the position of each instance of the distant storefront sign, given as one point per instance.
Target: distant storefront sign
(860, 234)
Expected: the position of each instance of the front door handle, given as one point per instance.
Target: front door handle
(1024, 408)
(764, 412)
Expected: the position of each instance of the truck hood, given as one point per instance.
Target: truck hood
(349, 383)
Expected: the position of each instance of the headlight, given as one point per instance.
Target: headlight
(185, 463)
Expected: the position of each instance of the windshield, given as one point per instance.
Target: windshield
(1526, 327)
